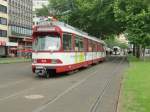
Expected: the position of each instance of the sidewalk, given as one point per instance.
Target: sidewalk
(14, 60)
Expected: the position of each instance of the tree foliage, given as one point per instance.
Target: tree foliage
(93, 16)
(111, 41)
(96, 17)
(135, 14)
(103, 18)
(44, 11)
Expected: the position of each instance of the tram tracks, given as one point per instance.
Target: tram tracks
(51, 101)
(21, 81)
(24, 80)
(99, 98)
(90, 71)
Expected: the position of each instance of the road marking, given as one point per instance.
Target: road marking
(13, 83)
(57, 97)
(15, 94)
(44, 106)
(63, 93)
(34, 97)
(21, 92)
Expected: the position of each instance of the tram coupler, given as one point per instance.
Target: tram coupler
(41, 71)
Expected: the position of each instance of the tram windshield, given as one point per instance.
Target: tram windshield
(49, 42)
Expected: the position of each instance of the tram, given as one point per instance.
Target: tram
(59, 47)
(116, 50)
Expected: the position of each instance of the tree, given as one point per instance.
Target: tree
(135, 15)
(93, 16)
(44, 11)
(111, 41)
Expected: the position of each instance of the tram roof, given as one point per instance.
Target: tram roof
(69, 29)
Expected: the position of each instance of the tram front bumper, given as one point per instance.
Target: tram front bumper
(57, 69)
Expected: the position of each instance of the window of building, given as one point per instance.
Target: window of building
(3, 8)
(67, 42)
(3, 33)
(3, 21)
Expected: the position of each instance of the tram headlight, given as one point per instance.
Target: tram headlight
(53, 61)
(56, 61)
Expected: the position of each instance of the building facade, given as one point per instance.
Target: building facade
(20, 25)
(3, 26)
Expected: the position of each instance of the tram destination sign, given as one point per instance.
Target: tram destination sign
(44, 29)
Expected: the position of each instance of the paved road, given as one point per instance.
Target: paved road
(94, 89)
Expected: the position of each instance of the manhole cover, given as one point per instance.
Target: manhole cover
(34, 97)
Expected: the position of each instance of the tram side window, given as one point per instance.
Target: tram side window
(94, 46)
(79, 44)
(101, 48)
(85, 44)
(98, 47)
(89, 45)
(67, 42)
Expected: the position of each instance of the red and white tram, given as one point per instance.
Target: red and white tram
(58, 47)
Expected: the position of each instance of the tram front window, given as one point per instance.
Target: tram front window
(48, 42)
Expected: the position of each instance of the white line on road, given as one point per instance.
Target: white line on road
(44, 106)
(64, 93)
(13, 83)
(15, 94)
(21, 92)
(50, 101)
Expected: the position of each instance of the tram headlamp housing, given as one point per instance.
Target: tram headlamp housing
(53, 61)
(56, 61)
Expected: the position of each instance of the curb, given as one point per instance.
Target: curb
(14, 61)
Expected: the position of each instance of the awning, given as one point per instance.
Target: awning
(25, 51)
(13, 48)
(27, 39)
(12, 44)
